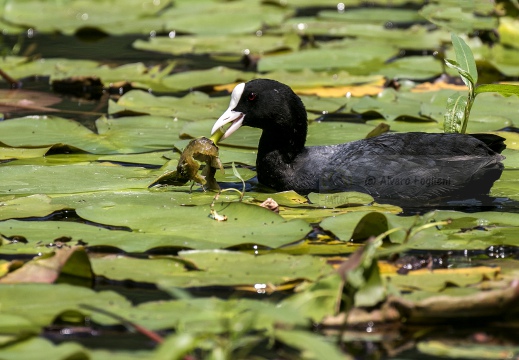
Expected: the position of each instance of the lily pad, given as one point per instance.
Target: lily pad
(31, 179)
(208, 18)
(193, 106)
(41, 237)
(460, 19)
(210, 315)
(413, 68)
(30, 206)
(54, 299)
(376, 16)
(51, 17)
(32, 348)
(219, 44)
(349, 57)
(213, 269)
(199, 78)
(246, 224)
(122, 135)
(436, 280)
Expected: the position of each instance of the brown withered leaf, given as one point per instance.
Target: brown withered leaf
(65, 265)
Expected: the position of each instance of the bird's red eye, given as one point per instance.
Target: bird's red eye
(252, 96)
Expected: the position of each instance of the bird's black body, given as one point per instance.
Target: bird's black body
(390, 166)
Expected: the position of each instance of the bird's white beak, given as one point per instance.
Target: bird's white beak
(231, 116)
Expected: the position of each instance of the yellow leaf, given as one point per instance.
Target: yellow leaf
(511, 139)
(438, 85)
(340, 91)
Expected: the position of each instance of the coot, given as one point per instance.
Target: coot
(390, 166)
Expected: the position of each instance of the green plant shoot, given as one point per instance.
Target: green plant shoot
(459, 106)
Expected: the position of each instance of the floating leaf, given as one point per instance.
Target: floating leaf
(33, 347)
(313, 347)
(503, 89)
(246, 224)
(208, 18)
(30, 206)
(199, 78)
(219, 44)
(54, 299)
(508, 31)
(340, 199)
(412, 67)
(350, 57)
(212, 269)
(30, 179)
(193, 106)
(76, 15)
(377, 15)
(437, 280)
(455, 351)
(458, 18)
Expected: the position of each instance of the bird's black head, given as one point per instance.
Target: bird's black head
(270, 106)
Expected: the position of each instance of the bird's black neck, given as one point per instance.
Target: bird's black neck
(287, 142)
(287, 135)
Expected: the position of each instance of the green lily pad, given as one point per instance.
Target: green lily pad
(193, 106)
(387, 105)
(52, 17)
(122, 135)
(213, 269)
(350, 57)
(32, 348)
(307, 78)
(41, 237)
(460, 18)
(436, 281)
(139, 133)
(31, 179)
(59, 69)
(199, 78)
(45, 131)
(30, 206)
(356, 225)
(314, 347)
(436, 348)
(210, 315)
(503, 58)
(212, 18)
(54, 299)
(376, 16)
(8, 153)
(412, 67)
(340, 199)
(508, 31)
(219, 44)
(156, 158)
(246, 224)
(17, 324)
